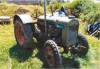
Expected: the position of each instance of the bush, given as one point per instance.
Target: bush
(87, 10)
(38, 10)
(12, 9)
(21, 11)
(73, 4)
(55, 6)
(91, 17)
(87, 6)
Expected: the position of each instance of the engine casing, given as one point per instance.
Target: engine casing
(60, 29)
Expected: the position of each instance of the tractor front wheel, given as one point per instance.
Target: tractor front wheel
(52, 55)
(82, 46)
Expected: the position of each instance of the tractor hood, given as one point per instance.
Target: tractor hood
(57, 18)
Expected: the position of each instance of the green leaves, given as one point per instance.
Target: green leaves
(89, 11)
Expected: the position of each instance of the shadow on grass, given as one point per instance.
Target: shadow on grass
(69, 63)
(40, 56)
(19, 53)
(22, 55)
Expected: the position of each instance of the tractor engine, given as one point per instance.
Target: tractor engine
(60, 29)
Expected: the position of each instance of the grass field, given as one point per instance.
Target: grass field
(13, 57)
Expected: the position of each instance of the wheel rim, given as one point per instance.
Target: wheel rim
(19, 34)
(49, 54)
(81, 48)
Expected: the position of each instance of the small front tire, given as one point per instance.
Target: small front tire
(52, 55)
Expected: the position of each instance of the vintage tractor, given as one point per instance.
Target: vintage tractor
(57, 31)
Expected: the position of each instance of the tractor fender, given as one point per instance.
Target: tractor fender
(25, 18)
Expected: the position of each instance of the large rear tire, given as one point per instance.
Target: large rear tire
(52, 55)
(23, 33)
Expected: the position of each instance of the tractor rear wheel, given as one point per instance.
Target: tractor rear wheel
(52, 55)
(23, 33)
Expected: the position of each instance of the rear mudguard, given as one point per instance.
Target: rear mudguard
(25, 18)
